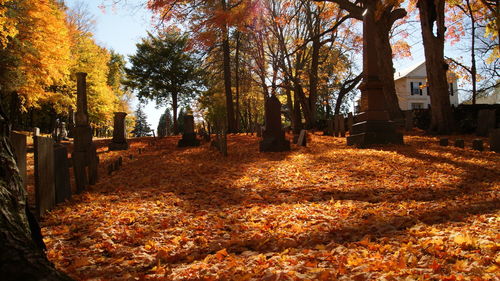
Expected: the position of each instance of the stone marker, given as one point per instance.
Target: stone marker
(44, 174)
(36, 131)
(486, 120)
(63, 132)
(459, 143)
(330, 127)
(18, 142)
(408, 120)
(336, 125)
(443, 142)
(119, 141)
(82, 136)
(93, 162)
(373, 123)
(350, 121)
(120, 161)
(61, 173)
(188, 136)
(111, 168)
(495, 140)
(342, 125)
(302, 141)
(273, 136)
(477, 144)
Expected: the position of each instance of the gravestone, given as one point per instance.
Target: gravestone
(63, 132)
(408, 120)
(61, 173)
(350, 121)
(18, 142)
(459, 143)
(119, 141)
(84, 156)
(336, 125)
(342, 125)
(36, 131)
(495, 140)
(486, 120)
(477, 144)
(443, 142)
(273, 136)
(188, 136)
(44, 174)
(259, 130)
(330, 127)
(302, 141)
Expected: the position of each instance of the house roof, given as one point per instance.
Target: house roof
(407, 71)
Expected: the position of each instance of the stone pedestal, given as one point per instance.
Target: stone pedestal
(374, 126)
(273, 136)
(119, 141)
(189, 136)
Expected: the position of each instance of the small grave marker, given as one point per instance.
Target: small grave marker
(302, 141)
(459, 143)
(486, 120)
(61, 173)
(477, 144)
(44, 174)
(443, 142)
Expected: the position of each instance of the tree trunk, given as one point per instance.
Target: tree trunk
(432, 12)
(21, 254)
(386, 74)
(473, 68)
(296, 113)
(237, 82)
(174, 113)
(313, 81)
(231, 124)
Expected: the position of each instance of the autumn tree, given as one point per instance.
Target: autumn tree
(432, 22)
(386, 14)
(162, 69)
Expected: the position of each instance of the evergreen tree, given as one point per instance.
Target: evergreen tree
(141, 128)
(165, 125)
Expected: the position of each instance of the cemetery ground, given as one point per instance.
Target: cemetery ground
(327, 211)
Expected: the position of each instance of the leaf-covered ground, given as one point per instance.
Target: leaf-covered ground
(324, 212)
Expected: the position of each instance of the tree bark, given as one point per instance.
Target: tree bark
(231, 124)
(432, 12)
(237, 82)
(21, 253)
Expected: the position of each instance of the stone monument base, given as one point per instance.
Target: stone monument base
(118, 146)
(374, 132)
(274, 144)
(188, 139)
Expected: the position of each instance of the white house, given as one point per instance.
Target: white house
(412, 92)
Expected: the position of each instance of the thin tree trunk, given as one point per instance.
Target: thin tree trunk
(432, 12)
(231, 124)
(473, 69)
(296, 113)
(237, 82)
(174, 113)
(313, 82)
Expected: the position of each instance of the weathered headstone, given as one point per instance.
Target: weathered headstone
(336, 125)
(63, 132)
(119, 141)
(350, 121)
(443, 142)
(341, 125)
(188, 136)
(477, 144)
(330, 127)
(61, 173)
(273, 136)
(408, 120)
(495, 140)
(84, 156)
(459, 143)
(18, 142)
(259, 130)
(36, 131)
(44, 174)
(486, 120)
(302, 141)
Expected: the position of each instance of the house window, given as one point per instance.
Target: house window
(451, 89)
(415, 88)
(417, 105)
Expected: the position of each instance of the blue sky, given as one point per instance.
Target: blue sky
(120, 28)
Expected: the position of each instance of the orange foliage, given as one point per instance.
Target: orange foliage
(412, 212)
